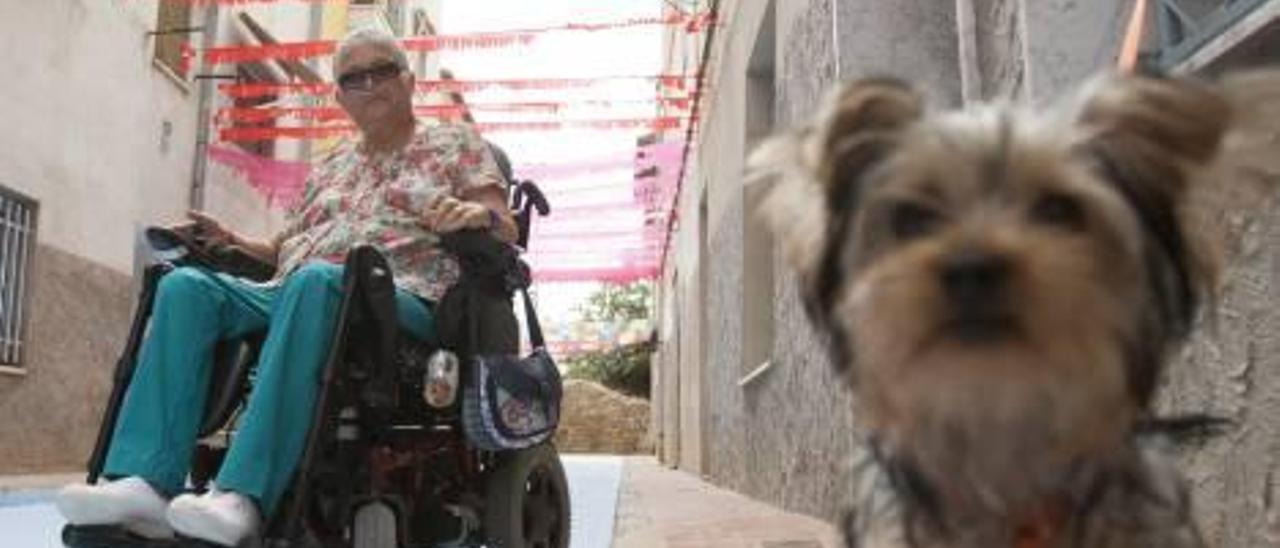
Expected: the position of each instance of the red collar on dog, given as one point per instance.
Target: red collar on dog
(1040, 528)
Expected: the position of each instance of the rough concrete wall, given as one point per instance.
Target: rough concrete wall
(1066, 41)
(692, 371)
(727, 430)
(806, 62)
(79, 318)
(786, 437)
(723, 148)
(912, 39)
(1232, 367)
(595, 419)
(782, 437)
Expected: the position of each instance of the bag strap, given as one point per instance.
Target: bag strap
(531, 320)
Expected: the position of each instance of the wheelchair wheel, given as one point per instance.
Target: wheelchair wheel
(527, 501)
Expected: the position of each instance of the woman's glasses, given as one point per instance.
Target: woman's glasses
(367, 79)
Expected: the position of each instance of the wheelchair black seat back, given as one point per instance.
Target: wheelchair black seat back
(382, 468)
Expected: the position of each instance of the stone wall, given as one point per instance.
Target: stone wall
(79, 318)
(1231, 369)
(786, 436)
(595, 419)
(783, 436)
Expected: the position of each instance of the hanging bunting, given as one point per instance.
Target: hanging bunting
(489, 40)
(222, 55)
(653, 124)
(575, 169)
(259, 90)
(624, 274)
(281, 182)
(324, 114)
(615, 229)
(244, 134)
(666, 156)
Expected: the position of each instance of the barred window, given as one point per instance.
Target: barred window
(171, 38)
(17, 224)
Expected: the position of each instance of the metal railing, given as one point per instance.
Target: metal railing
(17, 226)
(1184, 26)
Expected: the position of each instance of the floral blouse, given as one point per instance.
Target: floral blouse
(352, 199)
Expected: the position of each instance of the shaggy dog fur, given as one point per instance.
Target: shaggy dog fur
(1001, 288)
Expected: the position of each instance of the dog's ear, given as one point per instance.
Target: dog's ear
(864, 124)
(1151, 138)
(861, 125)
(817, 171)
(1163, 126)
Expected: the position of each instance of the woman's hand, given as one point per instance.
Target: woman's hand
(212, 234)
(449, 214)
(208, 230)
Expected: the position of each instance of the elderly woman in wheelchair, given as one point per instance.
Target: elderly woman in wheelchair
(398, 190)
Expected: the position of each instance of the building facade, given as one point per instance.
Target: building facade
(107, 120)
(744, 395)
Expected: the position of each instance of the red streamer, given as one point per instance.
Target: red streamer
(243, 134)
(324, 114)
(490, 40)
(258, 90)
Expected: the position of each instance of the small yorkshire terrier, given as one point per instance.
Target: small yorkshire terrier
(1001, 288)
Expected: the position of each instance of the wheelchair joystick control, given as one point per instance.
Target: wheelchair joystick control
(440, 385)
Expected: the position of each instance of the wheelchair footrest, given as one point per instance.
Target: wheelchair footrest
(114, 536)
(109, 536)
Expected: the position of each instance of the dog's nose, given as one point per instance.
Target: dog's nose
(974, 276)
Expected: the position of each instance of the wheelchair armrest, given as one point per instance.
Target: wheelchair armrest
(474, 243)
(185, 248)
(486, 259)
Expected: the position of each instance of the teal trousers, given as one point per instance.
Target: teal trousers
(156, 432)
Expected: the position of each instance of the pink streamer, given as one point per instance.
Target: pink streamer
(666, 156)
(615, 275)
(281, 182)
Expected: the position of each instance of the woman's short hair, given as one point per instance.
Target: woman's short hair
(370, 36)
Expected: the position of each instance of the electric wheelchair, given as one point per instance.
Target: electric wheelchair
(385, 465)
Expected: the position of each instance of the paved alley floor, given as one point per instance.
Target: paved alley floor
(662, 508)
(618, 502)
(28, 518)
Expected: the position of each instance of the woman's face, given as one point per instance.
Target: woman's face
(372, 88)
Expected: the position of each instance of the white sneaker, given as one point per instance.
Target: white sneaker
(130, 502)
(220, 517)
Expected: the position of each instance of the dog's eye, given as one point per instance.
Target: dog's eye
(912, 220)
(1058, 210)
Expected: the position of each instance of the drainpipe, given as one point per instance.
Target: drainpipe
(204, 97)
(315, 27)
(967, 35)
(835, 37)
